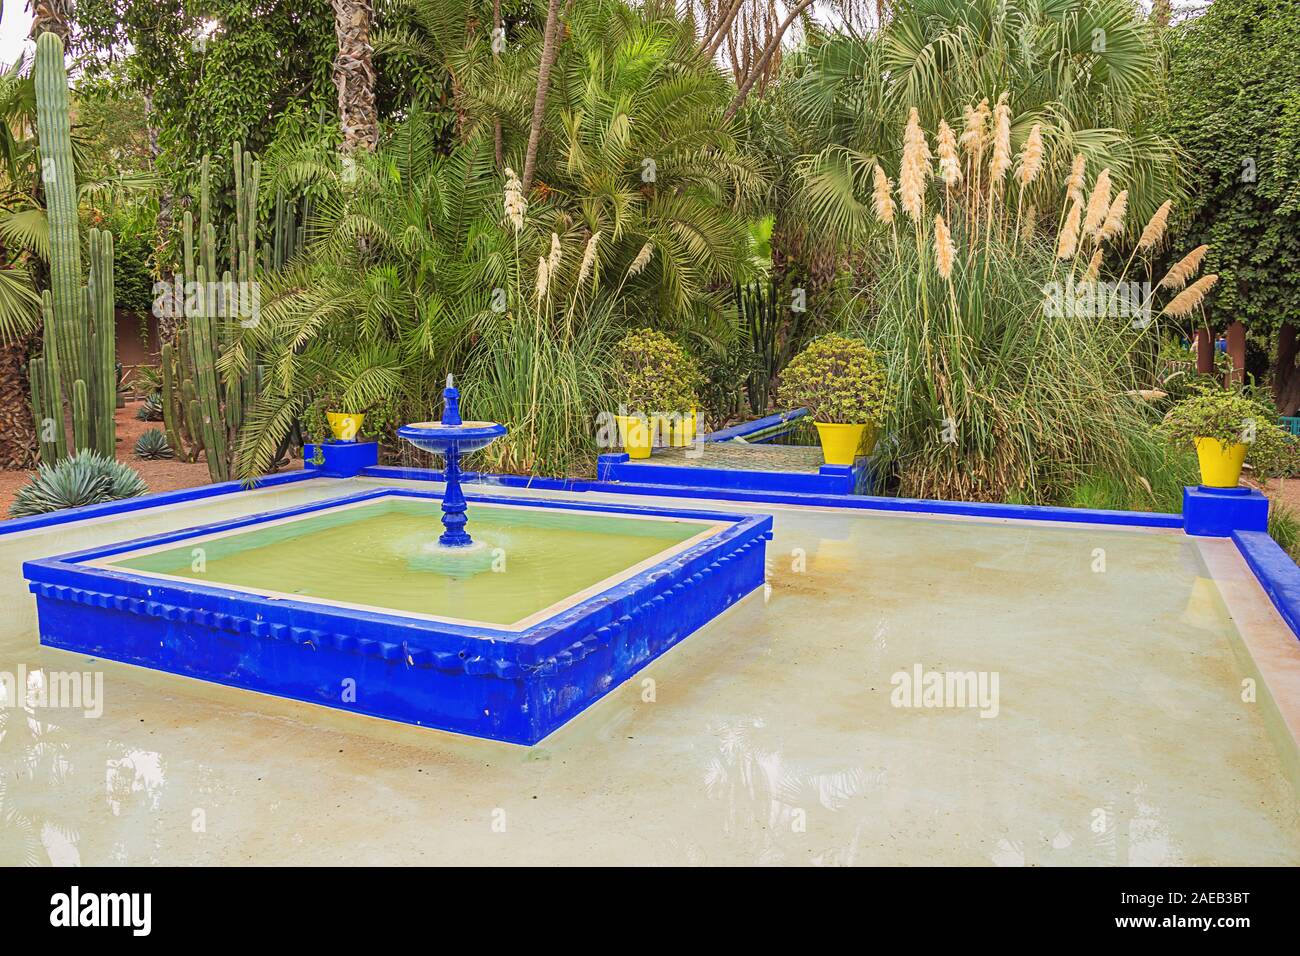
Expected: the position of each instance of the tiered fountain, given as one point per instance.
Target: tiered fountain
(451, 438)
(297, 601)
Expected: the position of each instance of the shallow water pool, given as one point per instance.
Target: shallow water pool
(772, 735)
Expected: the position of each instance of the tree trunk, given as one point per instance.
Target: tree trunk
(17, 430)
(1161, 12)
(354, 75)
(1236, 336)
(1287, 349)
(1286, 376)
(51, 16)
(498, 149)
(714, 40)
(772, 46)
(1204, 340)
(550, 44)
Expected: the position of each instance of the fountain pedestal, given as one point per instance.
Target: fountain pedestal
(451, 438)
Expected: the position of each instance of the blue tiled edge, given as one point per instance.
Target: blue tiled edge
(827, 480)
(974, 509)
(1278, 575)
(758, 426)
(516, 686)
(159, 499)
(478, 480)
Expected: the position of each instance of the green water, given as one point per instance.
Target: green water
(380, 555)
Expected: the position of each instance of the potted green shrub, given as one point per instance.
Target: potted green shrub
(843, 385)
(1226, 427)
(655, 381)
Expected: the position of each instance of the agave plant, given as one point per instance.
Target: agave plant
(152, 445)
(150, 409)
(86, 478)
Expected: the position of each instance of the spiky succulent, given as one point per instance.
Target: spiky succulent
(151, 409)
(86, 478)
(152, 445)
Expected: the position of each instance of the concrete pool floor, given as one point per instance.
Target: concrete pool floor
(767, 737)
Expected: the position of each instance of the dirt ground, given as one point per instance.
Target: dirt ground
(1285, 491)
(167, 475)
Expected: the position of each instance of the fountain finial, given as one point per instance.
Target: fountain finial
(451, 411)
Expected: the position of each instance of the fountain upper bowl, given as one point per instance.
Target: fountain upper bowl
(437, 437)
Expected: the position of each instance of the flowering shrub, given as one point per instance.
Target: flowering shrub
(1232, 417)
(655, 375)
(839, 380)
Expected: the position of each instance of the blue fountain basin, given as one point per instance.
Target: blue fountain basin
(425, 663)
(437, 438)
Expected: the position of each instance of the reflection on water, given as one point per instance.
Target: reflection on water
(770, 803)
(1121, 736)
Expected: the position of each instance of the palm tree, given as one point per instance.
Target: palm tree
(23, 239)
(1088, 71)
(405, 253)
(550, 43)
(51, 16)
(638, 215)
(354, 74)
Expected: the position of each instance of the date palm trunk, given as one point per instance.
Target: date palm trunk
(550, 48)
(354, 75)
(17, 430)
(51, 16)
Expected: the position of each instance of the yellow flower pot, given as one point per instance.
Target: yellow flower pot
(345, 425)
(841, 444)
(635, 434)
(683, 429)
(1220, 466)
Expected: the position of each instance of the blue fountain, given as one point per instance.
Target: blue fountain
(451, 438)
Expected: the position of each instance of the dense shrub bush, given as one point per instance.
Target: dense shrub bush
(1231, 417)
(655, 375)
(839, 380)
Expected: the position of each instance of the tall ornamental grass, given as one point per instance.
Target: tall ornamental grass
(1010, 344)
(547, 384)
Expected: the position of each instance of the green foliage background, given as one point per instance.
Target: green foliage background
(1235, 88)
(269, 59)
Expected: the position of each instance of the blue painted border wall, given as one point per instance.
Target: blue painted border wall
(157, 500)
(1279, 578)
(757, 426)
(476, 481)
(516, 686)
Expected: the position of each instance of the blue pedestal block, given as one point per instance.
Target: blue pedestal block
(1218, 512)
(852, 479)
(343, 459)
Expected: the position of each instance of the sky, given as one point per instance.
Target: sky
(15, 24)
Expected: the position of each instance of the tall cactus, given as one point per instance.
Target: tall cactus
(210, 381)
(210, 402)
(76, 366)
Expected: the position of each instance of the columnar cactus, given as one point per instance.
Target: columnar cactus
(212, 403)
(77, 365)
